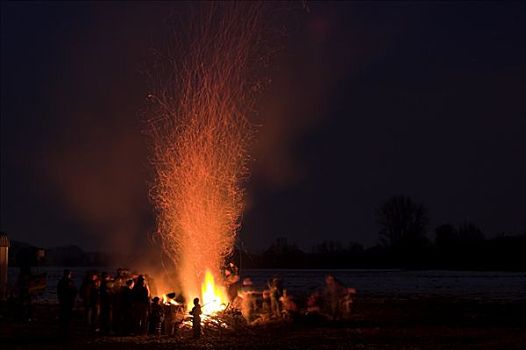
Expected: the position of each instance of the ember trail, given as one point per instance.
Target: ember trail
(202, 95)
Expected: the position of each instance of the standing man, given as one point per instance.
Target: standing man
(66, 292)
(333, 293)
(196, 320)
(106, 303)
(141, 304)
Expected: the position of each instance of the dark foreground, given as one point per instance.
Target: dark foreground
(424, 323)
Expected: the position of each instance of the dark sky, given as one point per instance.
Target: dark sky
(368, 100)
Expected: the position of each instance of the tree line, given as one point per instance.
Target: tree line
(404, 242)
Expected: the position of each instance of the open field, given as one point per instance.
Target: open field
(378, 323)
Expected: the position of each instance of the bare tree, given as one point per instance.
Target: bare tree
(403, 222)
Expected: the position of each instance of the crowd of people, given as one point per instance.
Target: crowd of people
(119, 304)
(333, 301)
(123, 304)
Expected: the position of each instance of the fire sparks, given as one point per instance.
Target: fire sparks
(200, 136)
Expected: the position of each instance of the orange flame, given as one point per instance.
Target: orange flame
(214, 298)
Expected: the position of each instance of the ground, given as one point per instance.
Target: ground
(378, 323)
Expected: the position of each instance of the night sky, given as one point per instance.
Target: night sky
(368, 100)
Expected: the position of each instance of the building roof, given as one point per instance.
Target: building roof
(4, 241)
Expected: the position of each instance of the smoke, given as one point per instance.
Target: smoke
(326, 45)
(297, 101)
(90, 154)
(101, 186)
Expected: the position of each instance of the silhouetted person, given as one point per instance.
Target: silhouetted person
(85, 291)
(118, 283)
(152, 285)
(276, 292)
(90, 295)
(248, 303)
(347, 302)
(231, 280)
(106, 303)
(125, 324)
(196, 320)
(156, 316)
(141, 303)
(290, 308)
(313, 303)
(121, 277)
(24, 296)
(333, 293)
(66, 292)
(95, 304)
(265, 304)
